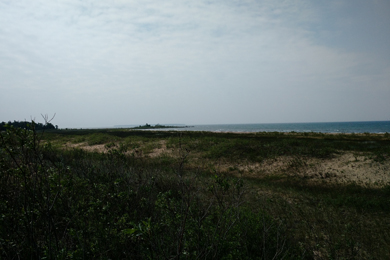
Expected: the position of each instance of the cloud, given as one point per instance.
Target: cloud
(218, 61)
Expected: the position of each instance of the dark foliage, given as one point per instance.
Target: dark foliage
(27, 125)
(77, 205)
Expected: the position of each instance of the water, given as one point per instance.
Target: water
(337, 127)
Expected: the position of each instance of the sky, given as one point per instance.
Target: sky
(96, 63)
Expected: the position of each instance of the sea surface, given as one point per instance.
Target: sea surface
(337, 127)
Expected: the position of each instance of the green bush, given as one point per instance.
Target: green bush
(99, 138)
(76, 204)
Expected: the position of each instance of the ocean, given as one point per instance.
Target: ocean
(336, 127)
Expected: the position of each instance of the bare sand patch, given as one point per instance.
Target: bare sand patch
(349, 168)
(344, 169)
(103, 148)
(73, 145)
(90, 148)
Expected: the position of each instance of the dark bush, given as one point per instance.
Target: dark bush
(74, 204)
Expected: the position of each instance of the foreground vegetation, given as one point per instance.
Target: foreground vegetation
(119, 194)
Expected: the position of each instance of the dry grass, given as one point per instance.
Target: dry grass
(335, 204)
(342, 168)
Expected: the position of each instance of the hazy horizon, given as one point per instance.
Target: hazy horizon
(191, 125)
(101, 64)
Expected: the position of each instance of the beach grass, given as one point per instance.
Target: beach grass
(109, 193)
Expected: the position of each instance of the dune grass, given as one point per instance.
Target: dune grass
(62, 203)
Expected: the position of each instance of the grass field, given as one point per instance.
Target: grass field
(113, 194)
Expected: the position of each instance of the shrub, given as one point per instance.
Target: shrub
(75, 204)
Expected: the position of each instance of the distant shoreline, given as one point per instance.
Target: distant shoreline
(378, 127)
(276, 132)
(373, 127)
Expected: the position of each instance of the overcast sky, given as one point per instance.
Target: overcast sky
(101, 63)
